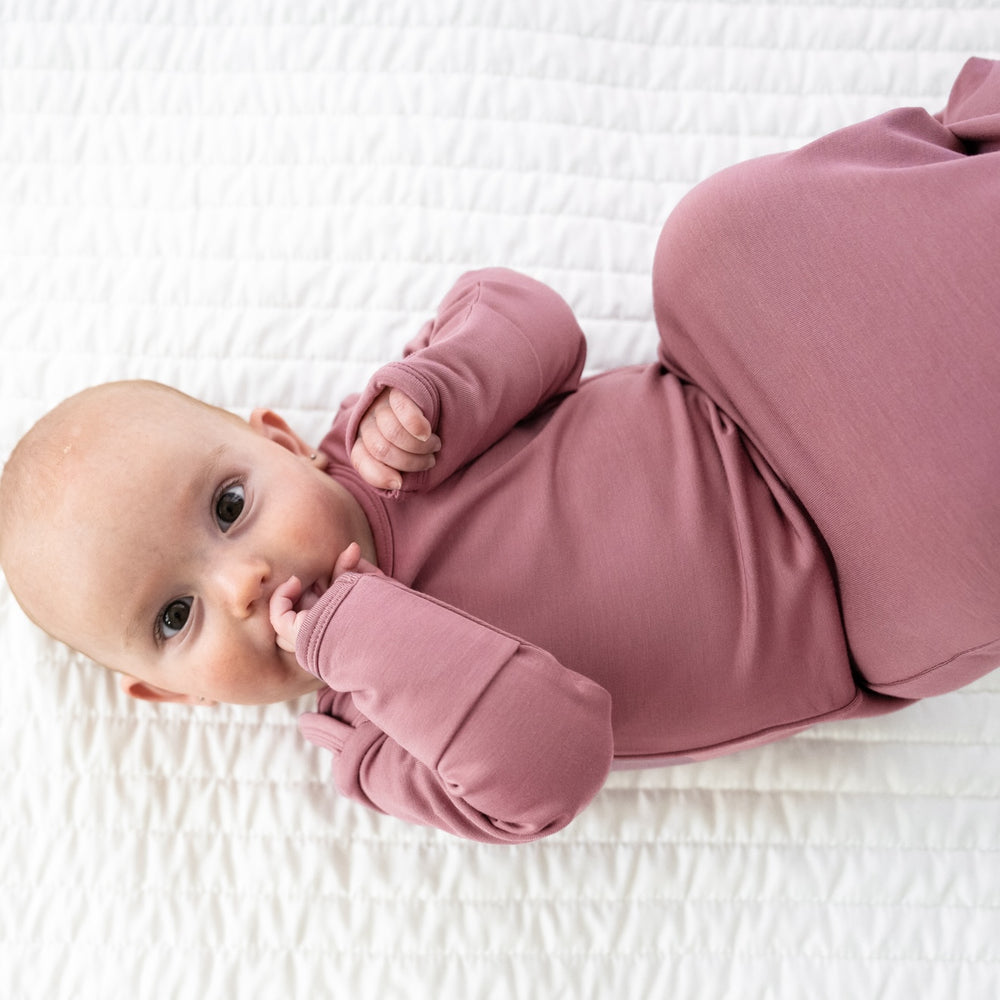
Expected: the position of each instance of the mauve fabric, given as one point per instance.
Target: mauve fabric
(792, 517)
(842, 304)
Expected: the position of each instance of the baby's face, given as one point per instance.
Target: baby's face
(175, 525)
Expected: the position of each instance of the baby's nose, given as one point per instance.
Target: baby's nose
(242, 584)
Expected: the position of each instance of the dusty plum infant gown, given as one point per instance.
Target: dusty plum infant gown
(792, 516)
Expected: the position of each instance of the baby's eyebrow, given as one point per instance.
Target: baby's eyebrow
(133, 629)
(206, 474)
(140, 624)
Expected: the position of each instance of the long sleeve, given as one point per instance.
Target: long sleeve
(501, 345)
(442, 720)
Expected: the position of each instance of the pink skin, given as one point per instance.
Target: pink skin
(288, 605)
(394, 437)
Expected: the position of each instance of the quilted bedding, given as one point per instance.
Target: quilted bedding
(258, 203)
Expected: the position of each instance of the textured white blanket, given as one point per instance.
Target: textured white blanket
(258, 202)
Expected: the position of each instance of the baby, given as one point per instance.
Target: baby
(140, 486)
(502, 579)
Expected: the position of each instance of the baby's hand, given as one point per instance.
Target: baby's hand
(394, 437)
(286, 619)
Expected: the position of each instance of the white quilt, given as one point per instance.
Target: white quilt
(258, 202)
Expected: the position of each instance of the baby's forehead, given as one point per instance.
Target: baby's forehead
(103, 437)
(69, 439)
(124, 415)
(129, 401)
(74, 473)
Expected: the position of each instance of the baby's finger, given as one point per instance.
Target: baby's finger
(281, 611)
(383, 450)
(287, 645)
(409, 415)
(372, 471)
(386, 425)
(347, 560)
(286, 594)
(383, 470)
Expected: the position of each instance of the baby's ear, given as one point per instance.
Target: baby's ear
(268, 423)
(135, 688)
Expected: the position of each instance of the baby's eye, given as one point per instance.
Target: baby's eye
(229, 506)
(173, 618)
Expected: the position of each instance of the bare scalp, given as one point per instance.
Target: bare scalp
(39, 478)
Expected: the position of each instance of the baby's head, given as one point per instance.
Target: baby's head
(147, 530)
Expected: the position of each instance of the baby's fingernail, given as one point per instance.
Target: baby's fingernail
(395, 484)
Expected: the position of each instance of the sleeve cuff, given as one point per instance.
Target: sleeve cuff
(318, 618)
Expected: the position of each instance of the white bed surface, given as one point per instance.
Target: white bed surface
(258, 203)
